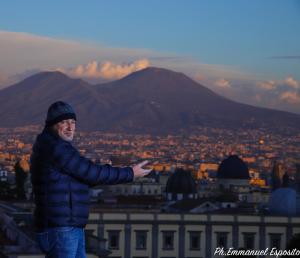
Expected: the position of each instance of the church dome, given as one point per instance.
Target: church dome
(233, 168)
(181, 182)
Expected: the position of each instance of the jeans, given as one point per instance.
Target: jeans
(62, 242)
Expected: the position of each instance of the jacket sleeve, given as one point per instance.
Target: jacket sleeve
(68, 159)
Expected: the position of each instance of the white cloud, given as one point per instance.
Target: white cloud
(107, 70)
(290, 81)
(24, 51)
(272, 85)
(270, 93)
(222, 83)
(267, 85)
(290, 97)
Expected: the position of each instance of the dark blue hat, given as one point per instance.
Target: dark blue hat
(59, 111)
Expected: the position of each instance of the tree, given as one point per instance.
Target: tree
(21, 176)
(5, 191)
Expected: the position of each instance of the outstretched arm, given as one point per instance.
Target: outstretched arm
(69, 160)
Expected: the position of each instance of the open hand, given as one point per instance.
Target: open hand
(138, 171)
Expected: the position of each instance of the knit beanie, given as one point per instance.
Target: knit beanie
(59, 111)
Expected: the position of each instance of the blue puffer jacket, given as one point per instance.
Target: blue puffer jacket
(61, 178)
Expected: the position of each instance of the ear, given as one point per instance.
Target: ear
(54, 129)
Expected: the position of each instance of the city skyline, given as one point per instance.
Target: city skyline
(225, 205)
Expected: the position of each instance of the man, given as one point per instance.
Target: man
(61, 178)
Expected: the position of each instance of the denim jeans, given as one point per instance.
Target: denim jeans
(62, 242)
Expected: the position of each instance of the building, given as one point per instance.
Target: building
(153, 184)
(285, 200)
(3, 175)
(181, 185)
(233, 175)
(161, 235)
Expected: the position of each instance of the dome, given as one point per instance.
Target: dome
(181, 182)
(283, 201)
(154, 175)
(233, 168)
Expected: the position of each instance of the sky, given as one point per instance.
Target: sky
(248, 51)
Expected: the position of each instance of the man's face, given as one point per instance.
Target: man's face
(65, 129)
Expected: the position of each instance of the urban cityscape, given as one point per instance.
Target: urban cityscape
(198, 194)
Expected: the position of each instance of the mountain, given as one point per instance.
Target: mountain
(151, 100)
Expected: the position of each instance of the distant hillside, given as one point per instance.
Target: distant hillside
(151, 100)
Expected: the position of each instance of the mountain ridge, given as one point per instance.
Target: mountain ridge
(150, 100)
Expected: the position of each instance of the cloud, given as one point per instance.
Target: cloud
(290, 81)
(267, 85)
(25, 51)
(285, 57)
(222, 83)
(6, 80)
(290, 97)
(199, 77)
(22, 52)
(281, 94)
(272, 85)
(107, 70)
